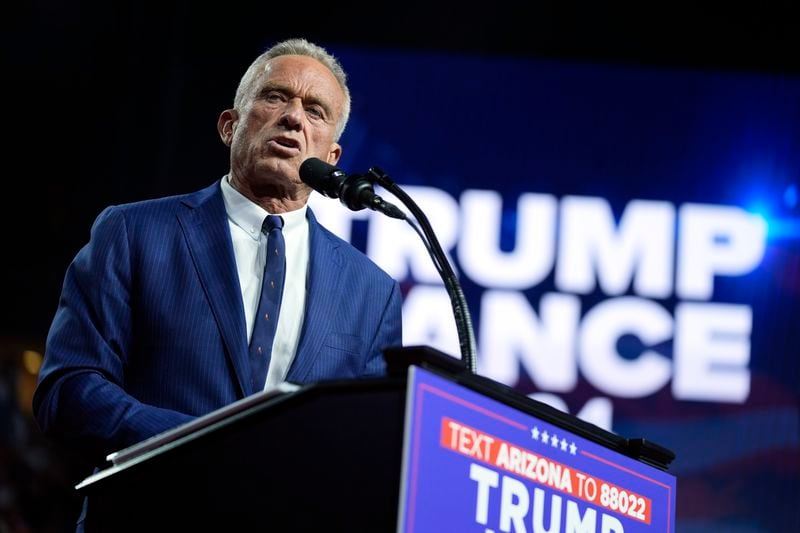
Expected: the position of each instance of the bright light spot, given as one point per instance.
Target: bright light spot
(779, 227)
(764, 219)
(759, 208)
(784, 228)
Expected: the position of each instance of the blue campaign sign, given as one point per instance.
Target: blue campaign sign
(471, 463)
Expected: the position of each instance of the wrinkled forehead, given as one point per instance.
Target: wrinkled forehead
(304, 76)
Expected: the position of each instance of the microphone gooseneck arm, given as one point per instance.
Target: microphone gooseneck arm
(466, 334)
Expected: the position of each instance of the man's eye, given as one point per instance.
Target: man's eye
(274, 97)
(315, 112)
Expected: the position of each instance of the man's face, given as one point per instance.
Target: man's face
(290, 114)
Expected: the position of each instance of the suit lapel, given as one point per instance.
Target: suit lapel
(322, 299)
(205, 225)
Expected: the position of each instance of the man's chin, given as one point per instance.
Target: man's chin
(275, 168)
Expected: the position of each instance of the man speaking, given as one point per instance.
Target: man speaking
(181, 305)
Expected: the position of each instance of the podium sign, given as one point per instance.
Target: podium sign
(471, 463)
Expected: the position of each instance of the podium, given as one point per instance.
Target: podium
(431, 447)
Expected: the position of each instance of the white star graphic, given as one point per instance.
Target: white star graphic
(563, 445)
(545, 436)
(554, 441)
(573, 449)
(535, 433)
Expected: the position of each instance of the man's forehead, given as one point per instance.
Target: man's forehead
(296, 72)
(288, 65)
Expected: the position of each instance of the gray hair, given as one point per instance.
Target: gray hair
(299, 47)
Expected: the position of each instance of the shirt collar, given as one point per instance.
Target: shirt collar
(250, 216)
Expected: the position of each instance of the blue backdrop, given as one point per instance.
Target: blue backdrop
(715, 158)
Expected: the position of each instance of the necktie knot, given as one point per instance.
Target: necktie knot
(272, 222)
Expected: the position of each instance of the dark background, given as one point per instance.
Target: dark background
(118, 101)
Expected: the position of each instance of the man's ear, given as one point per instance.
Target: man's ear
(226, 125)
(334, 154)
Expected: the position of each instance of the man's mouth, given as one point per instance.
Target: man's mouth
(286, 142)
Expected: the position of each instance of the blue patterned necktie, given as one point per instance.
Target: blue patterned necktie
(269, 305)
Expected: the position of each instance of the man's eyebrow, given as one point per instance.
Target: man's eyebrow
(273, 86)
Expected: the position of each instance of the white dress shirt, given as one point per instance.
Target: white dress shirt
(249, 249)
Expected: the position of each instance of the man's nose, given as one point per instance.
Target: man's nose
(292, 116)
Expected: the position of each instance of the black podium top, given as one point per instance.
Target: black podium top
(319, 457)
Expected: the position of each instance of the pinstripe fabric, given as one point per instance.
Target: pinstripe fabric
(150, 328)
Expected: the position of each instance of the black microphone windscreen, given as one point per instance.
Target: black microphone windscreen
(318, 174)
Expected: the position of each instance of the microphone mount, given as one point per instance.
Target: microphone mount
(354, 191)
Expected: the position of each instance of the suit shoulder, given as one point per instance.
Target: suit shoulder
(353, 255)
(153, 209)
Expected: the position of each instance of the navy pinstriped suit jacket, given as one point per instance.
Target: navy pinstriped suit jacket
(150, 328)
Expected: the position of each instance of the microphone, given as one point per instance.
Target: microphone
(354, 191)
